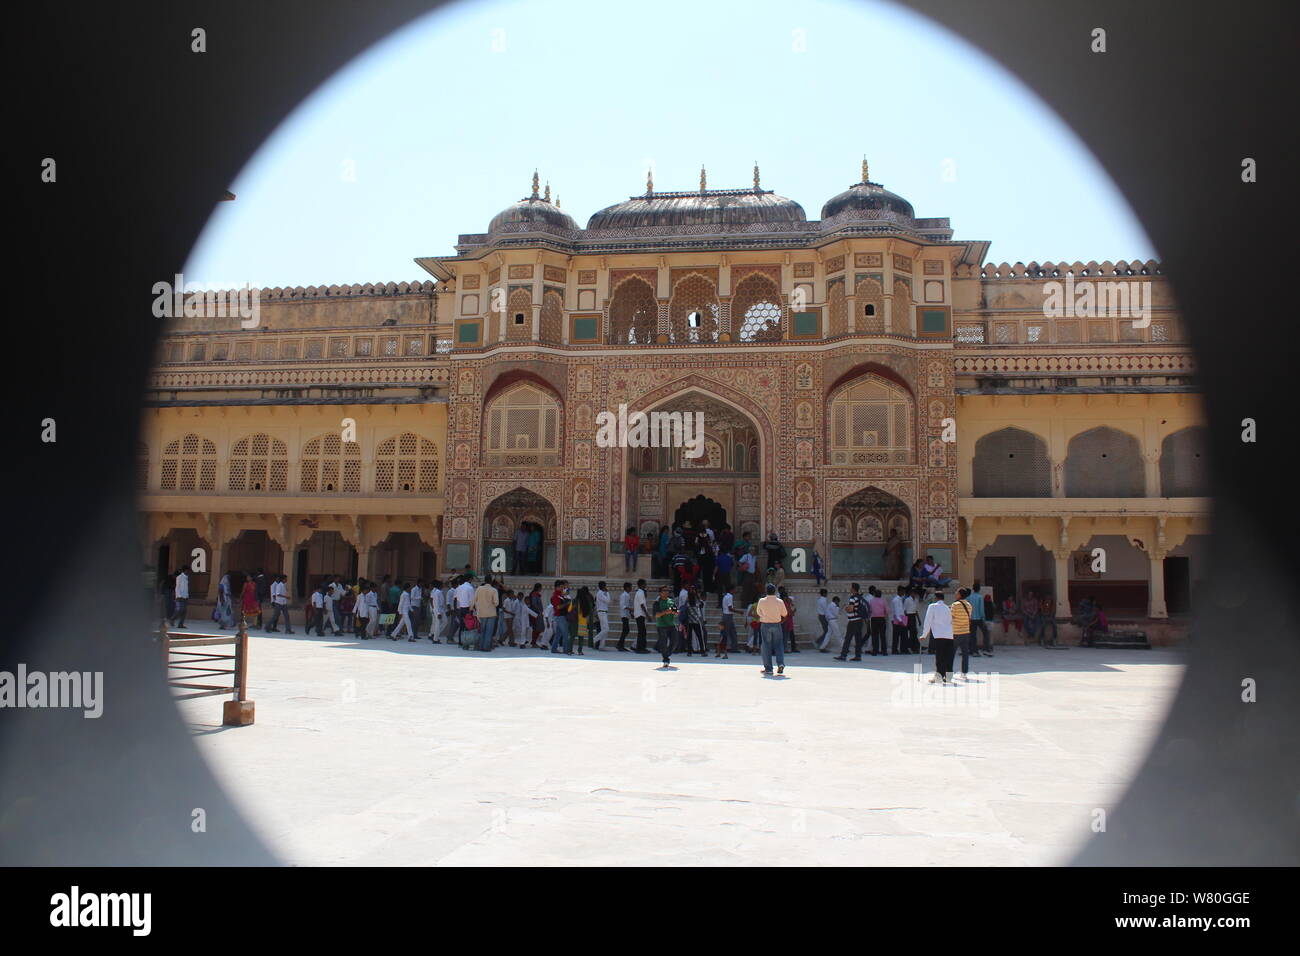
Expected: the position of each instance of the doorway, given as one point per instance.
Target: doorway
(1000, 574)
(1178, 585)
(699, 509)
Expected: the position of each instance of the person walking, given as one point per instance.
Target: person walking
(772, 611)
(405, 607)
(347, 608)
(181, 599)
(961, 612)
(665, 610)
(978, 624)
(584, 614)
(911, 609)
(625, 614)
(832, 624)
(262, 587)
(280, 604)
(787, 624)
(437, 611)
(822, 601)
(722, 568)
(898, 623)
(223, 613)
(748, 565)
(561, 605)
(362, 610)
(694, 623)
(855, 612)
(938, 627)
(727, 636)
(372, 610)
(317, 611)
(602, 615)
(249, 604)
(879, 611)
(631, 546)
(485, 603)
(639, 613)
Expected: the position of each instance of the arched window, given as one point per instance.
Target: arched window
(189, 464)
(259, 463)
(519, 316)
(633, 313)
(331, 465)
(693, 310)
(871, 423)
(871, 307)
(1104, 463)
(522, 428)
(141, 466)
(406, 464)
(552, 323)
(1012, 463)
(1184, 464)
(837, 309)
(756, 310)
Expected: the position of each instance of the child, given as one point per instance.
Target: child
(753, 628)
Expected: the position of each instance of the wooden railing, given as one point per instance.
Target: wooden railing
(193, 658)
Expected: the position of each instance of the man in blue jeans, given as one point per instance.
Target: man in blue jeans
(771, 612)
(978, 625)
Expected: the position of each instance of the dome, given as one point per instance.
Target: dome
(706, 207)
(536, 212)
(866, 200)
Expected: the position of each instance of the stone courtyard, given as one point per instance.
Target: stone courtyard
(386, 753)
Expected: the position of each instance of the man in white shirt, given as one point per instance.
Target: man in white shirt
(417, 607)
(464, 597)
(727, 640)
(404, 616)
(913, 627)
(362, 611)
(279, 604)
(182, 596)
(832, 624)
(602, 614)
(372, 609)
(625, 613)
(898, 623)
(938, 625)
(438, 599)
(640, 613)
(331, 621)
(317, 611)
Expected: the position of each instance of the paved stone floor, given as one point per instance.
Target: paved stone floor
(403, 754)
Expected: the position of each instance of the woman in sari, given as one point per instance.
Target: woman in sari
(249, 605)
(225, 612)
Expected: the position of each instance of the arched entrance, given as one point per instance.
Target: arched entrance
(503, 520)
(403, 556)
(251, 549)
(323, 555)
(871, 536)
(721, 483)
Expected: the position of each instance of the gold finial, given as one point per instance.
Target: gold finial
(650, 181)
(704, 180)
(864, 168)
(557, 200)
(547, 197)
(535, 184)
(756, 189)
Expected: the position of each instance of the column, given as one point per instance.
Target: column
(1151, 462)
(363, 563)
(1156, 589)
(1062, 582)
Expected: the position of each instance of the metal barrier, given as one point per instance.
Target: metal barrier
(194, 665)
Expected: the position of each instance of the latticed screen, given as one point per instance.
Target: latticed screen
(693, 311)
(756, 310)
(633, 314)
(552, 320)
(406, 464)
(1184, 466)
(837, 309)
(871, 424)
(523, 428)
(871, 307)
(520, 304)
(330, 465)
(189, 464)
(259, 463)
(1104, 463)
(141, 466)
(1012, 463)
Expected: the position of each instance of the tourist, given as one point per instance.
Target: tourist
(317, 611)
(832, 624)
(464, 598)
(755, 628)
(525, 614)
(262, 587)
(704, 557)
(437, 610)
(662, 553)
(775, 551)
(817, 569)
(221, 612)
(534, 558)
(1029, 614)
(250, 606)
(521, 547)
(418, 598)
(372, 610)
(916, 577)
(680, 562)
(403, 613)
(347, 606)
(748, 565)
(1048, 611)
(934, 572)
(910, 609)
(631, 545)
(328, 594)
(602, 615)
(899, 643)
(938, 627)
(979, 625)
(362, 626)
(960, 612)
(665, 610)
(561, 608)
(855, 611)
(722, 567)
(583, 617)
(879, 612)
(1010, 614)
(822, 601)
(625, 614)
(486, 602)
(990, 613)
(694, 623)
(181, 599)
(787, 623)
(772, 611)
(640, 612)
(279, 603)
(727, 634)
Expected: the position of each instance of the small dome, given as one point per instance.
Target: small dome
(866, 200)
(719, 207)
(533, 210)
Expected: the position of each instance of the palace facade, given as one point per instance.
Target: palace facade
(860, 373)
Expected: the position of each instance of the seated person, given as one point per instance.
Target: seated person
(934, 575)
(917, 575)
(1087, 618)
(1047, 608)
(1029, 614)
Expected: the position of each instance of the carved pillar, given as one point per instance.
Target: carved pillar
(1062, 583)
(1156, 589)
